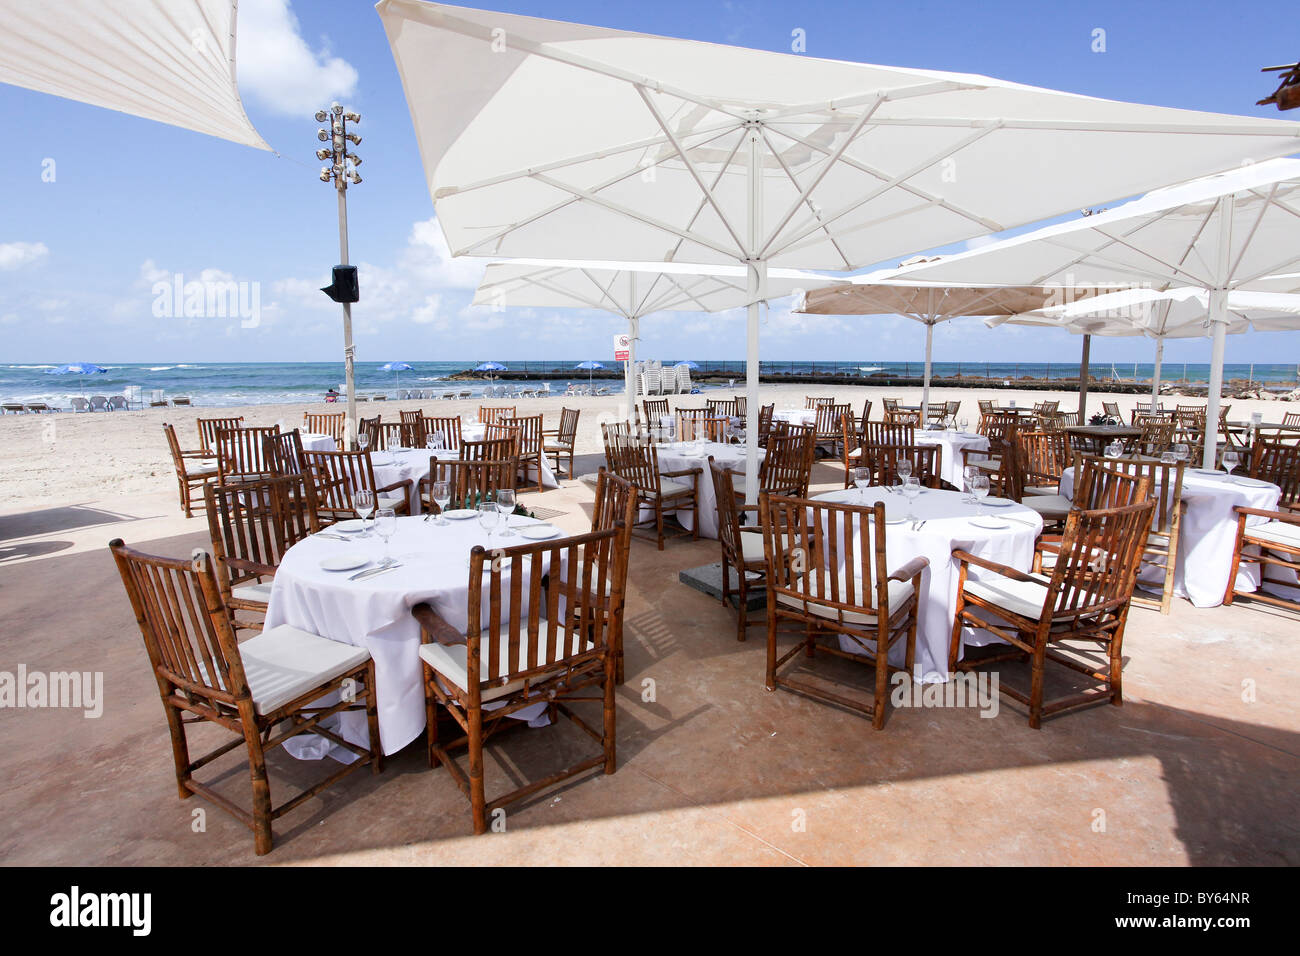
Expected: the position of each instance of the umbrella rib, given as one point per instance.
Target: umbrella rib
(812, 206)
(1259, 219)
(827, 166)
(884, 187)
(605, 293)
(740, 141)
(917, 191)
(690, 166)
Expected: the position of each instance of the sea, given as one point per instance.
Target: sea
(268, 383)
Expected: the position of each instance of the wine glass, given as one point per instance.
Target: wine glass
(861, 478)
(1181, 451)
(1168, 457)
(963, 423)
(363, 440)
(1115, 449)
(385, 525)
(488, 516)
(506, 505)
(903, 467)
(979, 489)
(911, 488)
(1230, 460)
(441, 498)
(970, 472)
(363, 502)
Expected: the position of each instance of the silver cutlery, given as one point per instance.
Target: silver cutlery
(332, 537)
(372, 572)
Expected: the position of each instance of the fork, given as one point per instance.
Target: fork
(371, 572)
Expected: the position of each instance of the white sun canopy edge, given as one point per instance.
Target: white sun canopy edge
(167, 60)
(559, 140)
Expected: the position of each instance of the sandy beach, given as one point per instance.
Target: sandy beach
(59, 459)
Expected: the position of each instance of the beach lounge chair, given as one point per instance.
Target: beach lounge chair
(683, 375)
(98, 403)
(39, 407)
(465, 393)
(79, 405)
(16, 408)
(181, 400)
(447, 396)
(603, 390)
(118, 403)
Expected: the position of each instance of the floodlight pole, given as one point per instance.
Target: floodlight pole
(341, 171)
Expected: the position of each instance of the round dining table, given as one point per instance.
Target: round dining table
(953, 443)
(375, 611)
(795, 416)
(1208, 534)
(680, 456)
(998, 530)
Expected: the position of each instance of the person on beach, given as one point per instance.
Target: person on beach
(331, 396)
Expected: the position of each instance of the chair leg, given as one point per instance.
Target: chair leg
(261, 792)
(882, 676)
(659, 522)
(372, 721)
(771, 648)
(477, 799)
(608, 737)
(1231, 590)
(180, 751)
(430, 715)
(1039, 665)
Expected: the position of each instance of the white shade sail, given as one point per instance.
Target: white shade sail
(1233, 232)
(559, 140)
(167, 60)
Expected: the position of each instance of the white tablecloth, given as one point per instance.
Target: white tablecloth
(675, 456)
(947, 526)
(1209, 532)
(795, 416)
(952, 460)
(400, 464)
(312, 441)
(375, 613)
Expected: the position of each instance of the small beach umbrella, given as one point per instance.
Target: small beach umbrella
(589, 365)
(490, 367)
(78, 368)
(398, 367)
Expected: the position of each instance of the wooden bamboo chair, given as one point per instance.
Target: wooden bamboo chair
(530, 449)
(448, 428)
(208, 428)
(665, 493)
(241, 453)
(811, 402)
(1047, 455)
(765, 413)
(534, 651)
(786, 468)
(742, 405)
(487, 414)
(252, 524)
(987, 406)
(265, 691)
(324, 423)
(559, 442)
(903, 417)
(742, 546)
(827, 575)
(697, 424)
(413, 429)
(194, 469)
(283, 453)
(1085, 600)
(882, 461)
(472, 482)
(889, 433)
(656, 410)
(721, 408)
(339, 475)
(1275, 543)
(1157, 435)
(1291, 419)
(829, 427)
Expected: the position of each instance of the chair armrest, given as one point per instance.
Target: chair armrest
(433, 629)
(967, 558)
(911, 569)
(405, 485)
(1290, 517)
(200, 453)
(681, 474)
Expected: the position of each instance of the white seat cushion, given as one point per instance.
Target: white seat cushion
(1279, 532)
(259, 591)
(1043, 490)
(449, 660)
(283, 663)
(671, 486)
(559, 444)
(1049, 506)
(1025, 598)
(899, 593)
(201, 468)
(751, 546)
(392, 499)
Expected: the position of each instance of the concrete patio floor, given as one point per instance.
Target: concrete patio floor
(1199, 767)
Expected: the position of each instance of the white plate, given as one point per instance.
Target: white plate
(998, 502)
(989, 523)
(1207, 472)
(538, 532)
(1250, 482)
(348, 527)
(460, 514)
(895, 521)
(344, 562)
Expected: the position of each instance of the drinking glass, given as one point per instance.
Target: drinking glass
(970, 472)
(1181, 451)
(963, 423)
(488, 516)
(363, 502)
(1168, 457)
(903, 467)
(1230, 460)
(385, 525)
(441, 498)
(506, 505)
(363, 441)
(1115, 449)
(979, 488)
(1011, 403)
(911, 488)
(861, 478)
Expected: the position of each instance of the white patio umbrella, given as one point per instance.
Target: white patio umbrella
(1173, 313)
(631, 290)
(1237, 231)
(167, 60)
(542, 138)
(890, 292)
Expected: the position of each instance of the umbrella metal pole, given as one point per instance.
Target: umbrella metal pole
(349, 372)
(1083, 379)
(629, 373)
(757, 269)
(1219, 327)
(925, 390)
(1155, 377)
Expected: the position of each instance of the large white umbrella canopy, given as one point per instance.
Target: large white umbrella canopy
(1238, 230)
(542, 138)
(631, 290)
(167, 60)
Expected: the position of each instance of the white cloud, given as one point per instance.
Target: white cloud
(278, 67)
(18, 255)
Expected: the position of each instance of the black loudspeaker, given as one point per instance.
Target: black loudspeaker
(345, 287)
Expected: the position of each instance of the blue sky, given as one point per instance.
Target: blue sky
(133, 200)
